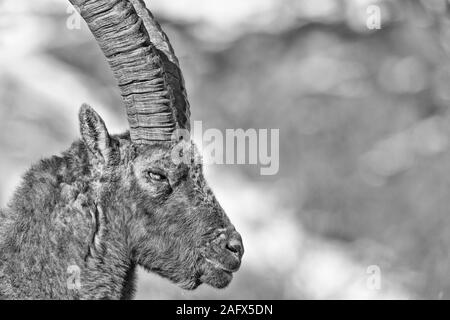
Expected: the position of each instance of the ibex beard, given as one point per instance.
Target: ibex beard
(112, 203)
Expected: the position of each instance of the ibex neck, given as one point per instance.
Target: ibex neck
(50, 239)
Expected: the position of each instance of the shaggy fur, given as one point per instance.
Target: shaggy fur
(107, 206)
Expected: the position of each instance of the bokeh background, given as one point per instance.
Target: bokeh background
(363, 116)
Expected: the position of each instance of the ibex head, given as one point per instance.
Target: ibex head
(163, 207)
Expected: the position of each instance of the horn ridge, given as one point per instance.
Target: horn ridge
(157, 35)
(144, 65)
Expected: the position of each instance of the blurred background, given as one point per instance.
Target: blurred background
(364, 181)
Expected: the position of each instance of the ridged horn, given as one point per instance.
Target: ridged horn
(144, 64)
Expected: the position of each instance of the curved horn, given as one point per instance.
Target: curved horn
(144, 64)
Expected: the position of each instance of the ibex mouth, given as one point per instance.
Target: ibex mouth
(223, 259)
(220, 266)
(219, 275)
(216, 276)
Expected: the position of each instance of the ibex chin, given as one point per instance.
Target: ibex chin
(111, 203)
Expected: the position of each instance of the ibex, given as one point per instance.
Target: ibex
(111, 203)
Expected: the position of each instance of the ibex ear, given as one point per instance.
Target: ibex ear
(94, 133)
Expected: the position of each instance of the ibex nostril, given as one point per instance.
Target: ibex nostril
(235, 246)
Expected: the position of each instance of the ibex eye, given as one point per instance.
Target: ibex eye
(156, 176)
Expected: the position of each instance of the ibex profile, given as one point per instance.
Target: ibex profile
(111, 203)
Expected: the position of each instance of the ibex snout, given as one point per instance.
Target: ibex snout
(232, 250)
(224, 258)
(235, 245)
